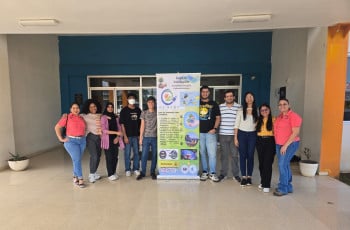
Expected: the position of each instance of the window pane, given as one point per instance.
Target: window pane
(114, 82)
(122, 99)
(103, 97)
(147, 93)
(220, 81)
(149, 81)
(220, 94)
(347, 103)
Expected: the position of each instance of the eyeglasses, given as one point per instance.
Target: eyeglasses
(264, 110)
(284, 104)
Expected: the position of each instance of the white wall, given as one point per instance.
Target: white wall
(7, 143)
(298, 62)
(314, 90)
(35, 91)
(345, 149)
(289, 67)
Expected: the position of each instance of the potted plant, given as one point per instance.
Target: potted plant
(308, 167)
(18, 162)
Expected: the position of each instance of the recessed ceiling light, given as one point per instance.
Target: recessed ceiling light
(251, 18)
(38, 22)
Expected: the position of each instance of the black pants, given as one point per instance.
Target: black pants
(111, 158)
(266, 148)
(93, 143)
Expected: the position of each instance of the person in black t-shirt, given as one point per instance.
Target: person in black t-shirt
(130, 122)
(209, 121)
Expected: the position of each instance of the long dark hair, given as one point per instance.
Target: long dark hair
(260, 122)
(245, 106)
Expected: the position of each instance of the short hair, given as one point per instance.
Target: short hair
(74, 103)
(283, 99)
(229, 91)
(131, 95)
(204, 87)
(151, 98)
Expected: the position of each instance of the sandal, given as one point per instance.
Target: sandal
(75, 180)
(81, 183)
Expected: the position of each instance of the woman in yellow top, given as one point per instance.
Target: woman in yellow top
(265, 145)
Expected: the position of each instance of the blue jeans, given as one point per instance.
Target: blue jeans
(75, 148)
(207, 145)
(246, 148)
(134, 144)
(148, 142)
(285, 181)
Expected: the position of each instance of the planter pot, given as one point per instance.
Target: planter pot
(19, 165)
(308, 168)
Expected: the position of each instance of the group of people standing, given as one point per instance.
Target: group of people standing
(106, 131)
(241, 129)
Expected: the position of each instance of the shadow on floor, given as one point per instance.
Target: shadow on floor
(345, 177)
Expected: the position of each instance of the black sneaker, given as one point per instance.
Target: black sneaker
(139, 177)
(154, 176)
(221, 177)
(244, 182)
(249, 181)
(238, 179)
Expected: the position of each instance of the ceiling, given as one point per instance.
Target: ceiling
(165, 16)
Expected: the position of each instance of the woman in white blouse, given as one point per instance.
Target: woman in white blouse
(245, 137)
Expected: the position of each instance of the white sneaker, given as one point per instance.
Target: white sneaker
(266, 190)
(260, 187)
(204, 176)
(92, 178)
(128, 173)
(137, 172)
(97, 176)
(213, 177)
(113, 177)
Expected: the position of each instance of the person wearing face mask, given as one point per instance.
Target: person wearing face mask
(130, 122)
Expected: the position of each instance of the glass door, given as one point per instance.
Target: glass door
(103, 97)
(219, 94)
(122, 98)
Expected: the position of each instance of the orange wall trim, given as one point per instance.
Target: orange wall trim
(334, 97)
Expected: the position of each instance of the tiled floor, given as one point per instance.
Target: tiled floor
(43, 197)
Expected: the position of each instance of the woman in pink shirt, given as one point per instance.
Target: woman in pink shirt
(286, 129)
(75, 140)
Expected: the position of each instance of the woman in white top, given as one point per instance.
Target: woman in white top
(245, 137)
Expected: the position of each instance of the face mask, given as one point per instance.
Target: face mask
(131, 101)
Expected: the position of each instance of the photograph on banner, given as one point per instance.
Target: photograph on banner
(178, 125)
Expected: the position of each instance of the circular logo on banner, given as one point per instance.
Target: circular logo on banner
(191, 120)
(162, 154)
(168, 97)
(184, 169)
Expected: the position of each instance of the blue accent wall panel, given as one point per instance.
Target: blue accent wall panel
(239, 53)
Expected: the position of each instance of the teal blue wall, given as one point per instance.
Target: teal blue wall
(239, 53)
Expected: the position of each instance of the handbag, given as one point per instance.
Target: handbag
(64, 129)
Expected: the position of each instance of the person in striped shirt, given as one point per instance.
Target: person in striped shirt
(226, 136)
